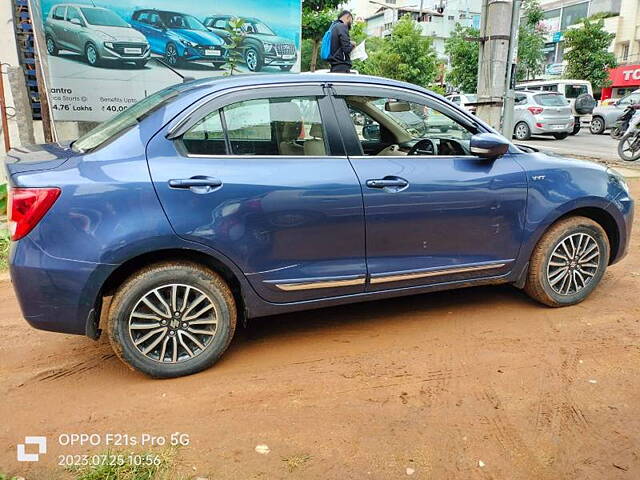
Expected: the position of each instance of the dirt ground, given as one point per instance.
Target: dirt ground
(471, 384)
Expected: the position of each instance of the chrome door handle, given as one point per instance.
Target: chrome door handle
(198, 184)
(387, 182)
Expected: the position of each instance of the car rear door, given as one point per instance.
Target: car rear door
(445, 217)
(260, 176)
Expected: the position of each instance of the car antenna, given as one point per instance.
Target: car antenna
(184, 78)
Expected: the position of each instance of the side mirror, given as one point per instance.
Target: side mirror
(488, 145)
(76, 21)
(371, 132)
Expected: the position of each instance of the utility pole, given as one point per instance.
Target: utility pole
(510, 81)
(495, 41)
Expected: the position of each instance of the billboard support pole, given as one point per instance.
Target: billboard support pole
(3, 112)
(48, 126)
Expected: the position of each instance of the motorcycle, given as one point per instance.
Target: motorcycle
(629, 144)
(621, 125)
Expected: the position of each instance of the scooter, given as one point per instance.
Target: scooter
(621, 125)
(629, 144)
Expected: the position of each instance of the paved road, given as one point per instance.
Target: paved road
(582, 145)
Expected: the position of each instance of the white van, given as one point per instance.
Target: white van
(578, 92)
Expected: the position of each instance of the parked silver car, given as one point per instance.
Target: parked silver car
(542, 113)
(97, 33)
(605, 117)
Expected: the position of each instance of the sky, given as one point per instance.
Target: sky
(283, 16)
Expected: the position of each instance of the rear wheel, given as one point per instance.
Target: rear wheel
(597, 126)
(522, 131)
(560, 136)
(576, 127)
(172, 319)
(568, 262)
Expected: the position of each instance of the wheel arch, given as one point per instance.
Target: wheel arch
(132, 265)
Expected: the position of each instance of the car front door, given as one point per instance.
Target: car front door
(73, 30)
(260, 176)
(57, 23)
(438, 214)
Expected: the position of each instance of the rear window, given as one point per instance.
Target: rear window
(550, 100)
(574, 91)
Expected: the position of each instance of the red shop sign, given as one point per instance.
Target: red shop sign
(628, 75)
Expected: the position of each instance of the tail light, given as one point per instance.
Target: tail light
(536, 110)
(26, 207)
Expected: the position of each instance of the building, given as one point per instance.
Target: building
(438, 18)
(623, 20)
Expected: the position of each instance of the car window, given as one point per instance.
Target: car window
(72, 13)
(393, 122)
(220, 23)
(550, 100)
(574, 91)
(472, 98)
(550, 88)
(632, 99)
(182, 21)
(103, 17)
(288, 126)
(58, 13)
(456, 100)
(521, 100)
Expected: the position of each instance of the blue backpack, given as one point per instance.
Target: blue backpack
(325, 47)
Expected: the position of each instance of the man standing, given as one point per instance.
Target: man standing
(341, 44)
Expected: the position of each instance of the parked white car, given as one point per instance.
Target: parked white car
(605, 117)
(465, 100)
(541, 113)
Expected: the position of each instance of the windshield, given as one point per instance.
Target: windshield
(104, 18)
(115, 127)
(471, 98)
(550, 100)
(574, 91)
(185, 22)
(257, 27)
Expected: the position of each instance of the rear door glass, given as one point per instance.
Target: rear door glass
(550, 100)
(574, 91)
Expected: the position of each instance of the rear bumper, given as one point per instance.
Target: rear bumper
(549, 128)
(55, 294)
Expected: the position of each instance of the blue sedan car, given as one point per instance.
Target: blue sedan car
(215, 201)
(179, 37)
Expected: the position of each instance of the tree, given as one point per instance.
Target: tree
(463, 57)
(405, 55)
(587, 55)
(236, 37)
(531, 41)
(317, 16)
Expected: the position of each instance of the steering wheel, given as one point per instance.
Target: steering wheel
(423, 147)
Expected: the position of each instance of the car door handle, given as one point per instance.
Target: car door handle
(200, 182)
(387, 182)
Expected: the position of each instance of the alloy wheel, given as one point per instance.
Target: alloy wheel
(521, 131)
(92, 55)
(51, 46)
(597, 126)
(573, 264)
(173, 323)
(251, 59)
(172, 55)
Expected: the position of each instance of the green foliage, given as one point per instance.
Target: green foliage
(234, 27)
(320, 5)
(5, 244)
(463, 55)
(405, 55)
(3, 199)
(531, 36)
(307, 52)
(314, 24)
(587, 55)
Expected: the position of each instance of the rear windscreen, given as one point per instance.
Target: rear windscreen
(547, 100)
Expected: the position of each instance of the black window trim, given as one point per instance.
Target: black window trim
(209, 104)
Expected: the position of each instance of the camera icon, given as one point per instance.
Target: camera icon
(23, 456)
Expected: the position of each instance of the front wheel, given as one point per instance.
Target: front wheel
(616, 132)
(629, 147)
(171, 56)
(597, 126)
(172, 319)
(92, 56)
(568, 262)
(253, 59)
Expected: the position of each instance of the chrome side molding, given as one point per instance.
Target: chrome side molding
(348, 282)
(412, 275)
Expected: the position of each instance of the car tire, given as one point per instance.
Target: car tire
(91, 55)
(575, 244)
(286, 68)
(522, 131)
(171, 56)
(253, 59)
(560, 136)
(218, 65)
(597, 126)
(162, 298)
(52, 47)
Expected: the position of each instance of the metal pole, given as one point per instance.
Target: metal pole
(3, 112)
(509, 98)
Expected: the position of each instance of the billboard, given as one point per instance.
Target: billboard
(103, 55)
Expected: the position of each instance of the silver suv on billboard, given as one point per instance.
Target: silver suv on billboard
(97, 33)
